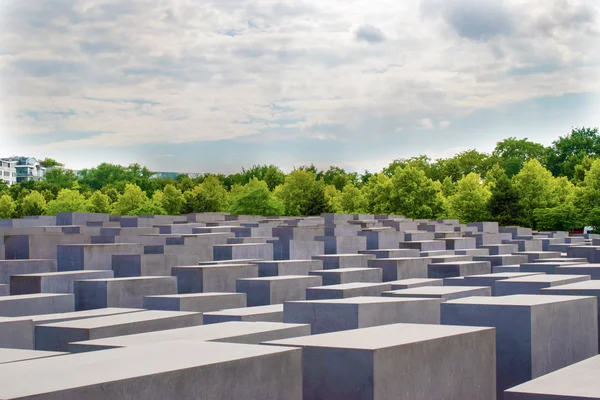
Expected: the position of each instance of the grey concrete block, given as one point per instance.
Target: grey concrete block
(386, 368)
(343, 244)
(401, 268)
(120, 292)
(393, 253)
(349, 275)
(346, 290)
(4, 290)
(435, 259)
(92, 256)
(131, 265)
(52, 282)
(188, 370)
(532, 256)
(32, 304)
(226, 332)
(441, 292)
(276, 289)
(15, 267)
(458, 268)
(534, 283)
(544, 267)
(288, 267)
(326, 316)
(593, 270)
(15, 355)
(578, 381)
(57, 336)
(489, 279)
(535, 335)
(500, 249)
(424, 245)
(415, 282)
(271, 313)
(196, 302)
(261, 251)
(337, 261)
(212, 278)
(16, 333)
(503, 259)
(473, 252)
(43, 319)
(460, 243)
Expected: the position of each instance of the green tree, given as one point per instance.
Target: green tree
(302, 193)
(130, 200)
(377, 192)
(7, 207)
(462, 164)
(172, 201)
(513, 153)
(535, 185)
(209, 196)
(504, 204)
(49, 163)
(414, 195)
(99, 203)
(33, 204)
(569, 151)
(448, 187)
(352, 200)
(564, 217)
(588, 193)
(470, 203)
(149, 208)
(61, 177)
(254, 198)
(67, 201)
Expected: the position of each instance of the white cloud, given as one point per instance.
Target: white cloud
(155, 71)
(444, 124)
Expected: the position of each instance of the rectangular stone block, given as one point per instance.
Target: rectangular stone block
(386, 368)
(52, 282)
(8, 356)
(500, 249)
(532, 256)
(393, 253)
(57, 336)
(458, 268)
(441, 292)
(415, 282)
(288, 267)
(381, 239)
(544, 267)
(343, 244)
(593, 270)
(424, 245)
(261, 251)
(131, 265)
(303, 249)
(401, 268)
(196, 302)
(489, 279)
(120, 292)
(346, 290)
(39, 246)
(578, 381)
(337, 261)
(92, 256)
(15, 267)
(226, 332)
(535, 334)
(187, 370)
(326, 316)
(503, 259)
(43, 319)
(16, 333)
(436, 259)
(472, 252)
(534, 283)
(272, 313)
(276, 289)
(349, 275)
(32, 304)
(460, 243)
(212, 278)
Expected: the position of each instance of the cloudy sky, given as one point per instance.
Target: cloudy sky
(202, 85)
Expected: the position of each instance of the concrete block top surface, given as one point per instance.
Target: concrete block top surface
(194, 295)
(339, 271)
(131, 278)
(100, 312)
(517, 300)
(505, 275)
(577, 381)
(379, 337)
(34, 296)
(437, 290)
(64, 273)
(273, 308)
(362, 300)
(119, 319)
(414, 281)
(584, 285)
(232, 263)
(13, 355)
(244, 261)
(54, 374)
(199, 333)
(281, 278)
(543, 278)
(351, 285)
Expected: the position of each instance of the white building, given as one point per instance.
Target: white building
(25, 168)
(8, 172)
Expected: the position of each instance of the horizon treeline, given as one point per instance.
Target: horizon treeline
(520, 183)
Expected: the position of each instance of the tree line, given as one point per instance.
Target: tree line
(554, 187)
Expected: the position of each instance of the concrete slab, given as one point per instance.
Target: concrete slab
(212, 278)
(32, 304)
(441, 292)
(411, 283)
(196, 302)
(288, 267)
(52, 282)
(16, 333)
(276, 289)
(14, 267)
(401, 268)
(458, 268)
(534, 283)
(346, 290)
(337, 261)
(271, 313)
(326, 316)
(14, 355)
(385, 368)
(57, 336)
(349, 275)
